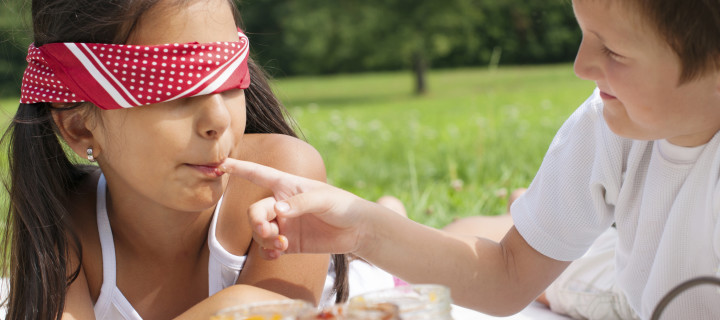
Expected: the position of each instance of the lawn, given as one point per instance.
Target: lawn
(457, 151)
(7, 108)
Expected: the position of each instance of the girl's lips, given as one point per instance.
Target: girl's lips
(606, 96)
(209, 171)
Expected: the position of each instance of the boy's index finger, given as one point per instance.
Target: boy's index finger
(260, 175)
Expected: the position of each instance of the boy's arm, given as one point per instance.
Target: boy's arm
(309, 216)
(495, 278)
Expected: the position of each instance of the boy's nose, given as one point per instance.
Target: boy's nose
(587, 63)
(213, 116)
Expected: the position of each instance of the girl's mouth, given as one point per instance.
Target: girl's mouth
(211, 171)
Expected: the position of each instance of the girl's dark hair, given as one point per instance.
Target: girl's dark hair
(38, 240)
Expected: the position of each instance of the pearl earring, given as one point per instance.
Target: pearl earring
(90, 155)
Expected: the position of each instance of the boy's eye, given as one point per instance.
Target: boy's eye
(610, 53)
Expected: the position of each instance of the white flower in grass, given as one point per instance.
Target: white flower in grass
(313, 107)
(351, 123)
(333, 136)
(546, 104)
(357, 141)
(336, 119)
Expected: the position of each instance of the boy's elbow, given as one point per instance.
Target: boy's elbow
(510, 310)
(508, 307)
(502, 299)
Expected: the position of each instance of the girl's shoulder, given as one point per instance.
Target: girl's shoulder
(279, 151)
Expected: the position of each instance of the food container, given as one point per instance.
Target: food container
(379, 311)
(415, 302)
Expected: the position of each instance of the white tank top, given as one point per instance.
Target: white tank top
(223, 267)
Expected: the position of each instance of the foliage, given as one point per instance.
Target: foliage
(318, 36)
(14, 39)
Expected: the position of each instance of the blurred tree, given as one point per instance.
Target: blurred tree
(319, 36)
(354, 35)
(419, 31)
(14, 40)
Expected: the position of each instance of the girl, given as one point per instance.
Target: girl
(154, 231)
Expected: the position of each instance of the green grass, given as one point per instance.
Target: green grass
(7, 109)
(456, 151)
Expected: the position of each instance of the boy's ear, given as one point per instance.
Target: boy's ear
(716, 73)
(73, 126)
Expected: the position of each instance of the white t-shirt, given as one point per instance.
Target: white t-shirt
(663, 198)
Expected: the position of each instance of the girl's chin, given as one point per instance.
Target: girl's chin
(199, 199)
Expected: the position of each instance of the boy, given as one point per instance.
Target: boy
(642, 152)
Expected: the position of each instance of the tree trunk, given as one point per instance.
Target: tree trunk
(419, 69)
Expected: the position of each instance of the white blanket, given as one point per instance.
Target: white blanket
(535, 311)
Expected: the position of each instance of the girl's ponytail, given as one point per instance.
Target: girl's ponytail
(37, 240)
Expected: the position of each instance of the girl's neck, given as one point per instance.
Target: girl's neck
(146, 228)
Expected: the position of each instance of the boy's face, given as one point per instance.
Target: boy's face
(637, 73)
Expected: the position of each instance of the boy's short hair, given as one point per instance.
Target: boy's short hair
(690, 27)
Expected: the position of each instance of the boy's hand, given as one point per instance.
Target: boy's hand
(303, 215)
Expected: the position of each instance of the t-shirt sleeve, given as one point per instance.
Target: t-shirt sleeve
(716, 233)
(571, 199)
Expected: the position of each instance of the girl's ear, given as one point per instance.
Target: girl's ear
(73, 124)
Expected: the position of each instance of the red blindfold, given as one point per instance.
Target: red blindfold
(114, 76)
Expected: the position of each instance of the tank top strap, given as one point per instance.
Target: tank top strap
(107, 244)
(223, 266)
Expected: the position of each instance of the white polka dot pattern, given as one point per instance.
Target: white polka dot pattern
(114, 76)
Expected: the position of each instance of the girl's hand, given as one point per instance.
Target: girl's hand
(303, 215)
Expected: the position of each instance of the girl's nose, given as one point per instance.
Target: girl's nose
(213, 116)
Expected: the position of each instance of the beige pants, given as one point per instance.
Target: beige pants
(587, 288)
